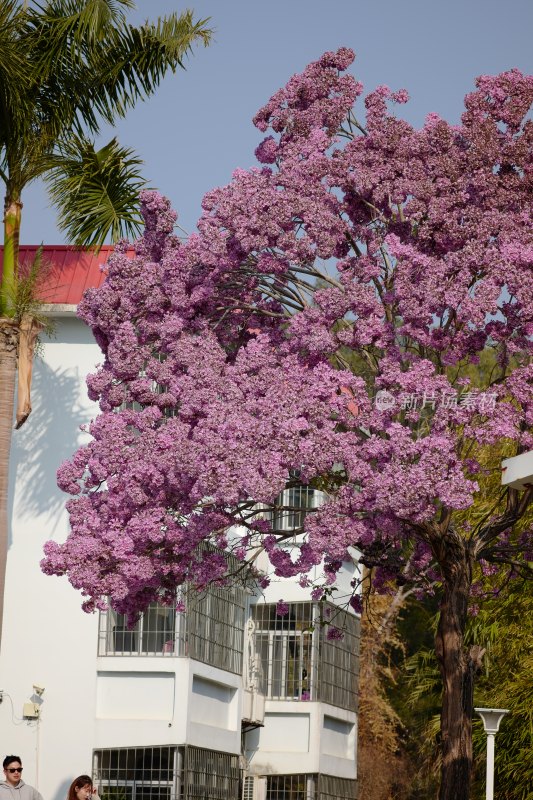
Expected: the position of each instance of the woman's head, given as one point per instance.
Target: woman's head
(81, 788)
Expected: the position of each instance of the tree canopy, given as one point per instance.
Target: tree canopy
(327, 323)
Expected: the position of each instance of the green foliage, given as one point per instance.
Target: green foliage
(95, 190)
(26, 290)
(503, 627)
(66, 67)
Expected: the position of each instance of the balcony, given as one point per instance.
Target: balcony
(211, 630)
(297, 661)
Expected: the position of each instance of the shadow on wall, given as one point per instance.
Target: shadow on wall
(51, 435)
(62, 789)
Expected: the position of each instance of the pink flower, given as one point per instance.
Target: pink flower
(282, 608)
(234, 361)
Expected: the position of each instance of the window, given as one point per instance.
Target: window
(210, 630)
(248, 788)
(292, 505)
(138, 773)
(330, 788)
(303, 787)
(209, 775)
(287, 649)
(298, 662)
(166, 773)
(216, 627)
(290, 787)
(339, 660)
(159, 631)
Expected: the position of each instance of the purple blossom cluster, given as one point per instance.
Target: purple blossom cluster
(234, 358)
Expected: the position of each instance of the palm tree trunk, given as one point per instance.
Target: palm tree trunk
(9, 341)
(457, 672)
(9, 334)
(12, 219)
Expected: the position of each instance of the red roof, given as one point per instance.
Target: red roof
(69, 270)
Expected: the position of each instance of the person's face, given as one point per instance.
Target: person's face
(13, 772)
(84, 792)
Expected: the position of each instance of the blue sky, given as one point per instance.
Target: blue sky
(197, 129)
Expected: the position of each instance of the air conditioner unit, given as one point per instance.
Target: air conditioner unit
(253, 706)
(254, 788)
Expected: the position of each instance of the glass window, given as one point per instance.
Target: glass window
(291, 507)
(137, 773)
(159, 631)
(290, 787)
(298, 661)
(287, 648)
(210, 630)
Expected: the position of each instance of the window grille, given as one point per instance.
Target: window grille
(216, 627)
(297, 660)
(331, 788)
(160, 631)
(339, 660)
(166, 773)
(210, 630)
(292, 506)
(137, 773)
(290, 787)
(288, 650)
(248, 788)
(209, 775)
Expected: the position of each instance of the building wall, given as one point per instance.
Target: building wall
(99, 703)
(47, 640)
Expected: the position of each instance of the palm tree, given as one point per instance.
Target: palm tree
(66, 68)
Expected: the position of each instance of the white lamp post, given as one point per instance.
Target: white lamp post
(491, 722)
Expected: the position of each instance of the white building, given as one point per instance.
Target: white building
(226, 700)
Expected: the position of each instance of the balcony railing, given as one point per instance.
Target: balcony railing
(211, 630)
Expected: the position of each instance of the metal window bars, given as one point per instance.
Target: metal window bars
(210, 775)
(211, 630)
(339, 660)
(248, 788)
(138, 773)
(287, 650)
(160, 631)
(216, 627)
(291, 787)
(166, 773)
(333, 788)
(292, 506)
(298, 662)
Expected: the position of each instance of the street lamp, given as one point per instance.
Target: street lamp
(491, 722)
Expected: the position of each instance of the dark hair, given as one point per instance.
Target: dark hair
(76, 785)
(9, 760)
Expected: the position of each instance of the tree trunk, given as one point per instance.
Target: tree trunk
(9, 334)
(28, 333)
(9, 341)
(457, 670)
(12, 220)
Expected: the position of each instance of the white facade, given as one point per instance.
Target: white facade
(155, 721)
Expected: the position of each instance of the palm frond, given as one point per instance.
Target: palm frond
(14, 74)
(136, 61)
(73, 25)
(98, 66)
(96, 191)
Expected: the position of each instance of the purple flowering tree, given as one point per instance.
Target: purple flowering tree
(357, 308)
